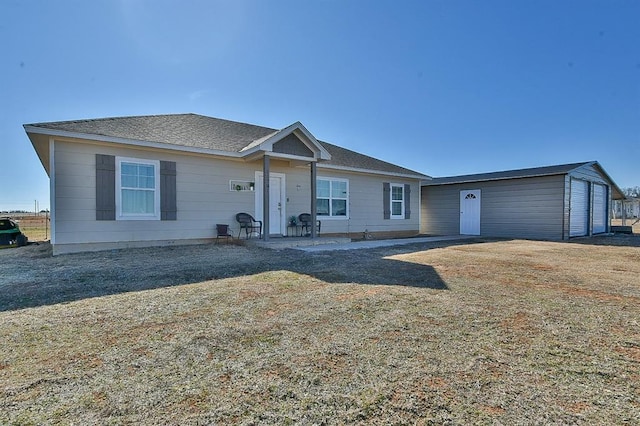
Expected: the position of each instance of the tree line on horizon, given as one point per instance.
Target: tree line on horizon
(632, 192)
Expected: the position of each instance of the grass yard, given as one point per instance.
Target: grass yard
(484, 332)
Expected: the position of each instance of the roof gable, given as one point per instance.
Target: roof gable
(291, 144)
(292, 140)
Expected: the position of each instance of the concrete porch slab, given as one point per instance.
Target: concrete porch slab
(342, 243)
(383, 243)
(279, 243)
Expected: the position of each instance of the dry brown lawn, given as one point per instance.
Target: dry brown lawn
(478, 332)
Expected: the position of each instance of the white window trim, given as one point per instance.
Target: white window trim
(334, 179)
(156, 201)
(391, 200)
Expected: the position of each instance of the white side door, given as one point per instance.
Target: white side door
(276, 202)
(470, 212)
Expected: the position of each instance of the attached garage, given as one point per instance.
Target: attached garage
(551, 203)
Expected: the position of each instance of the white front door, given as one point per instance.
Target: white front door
(470, 212)
(276, 202)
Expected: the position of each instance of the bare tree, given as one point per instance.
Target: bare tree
(633, 192)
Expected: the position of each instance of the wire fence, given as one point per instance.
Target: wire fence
(36, 226)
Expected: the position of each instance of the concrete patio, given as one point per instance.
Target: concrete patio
(342, 243)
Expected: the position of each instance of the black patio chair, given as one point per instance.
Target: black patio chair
(304, 219)
(223, 232)
(249, 224)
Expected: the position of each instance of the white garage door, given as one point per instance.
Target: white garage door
(599, 209)
(579, 204)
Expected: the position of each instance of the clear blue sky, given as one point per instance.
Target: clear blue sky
(441, 87)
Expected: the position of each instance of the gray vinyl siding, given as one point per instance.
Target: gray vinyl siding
(522, 208)
(440, 212)
(202, 198)
(366, 210)
(292, 145)
(202, 191)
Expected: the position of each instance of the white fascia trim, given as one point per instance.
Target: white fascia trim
(133, 142)
(371, 172)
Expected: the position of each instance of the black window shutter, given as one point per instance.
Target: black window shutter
(168, 204)
(386, 199)
(407, 201)
(105, 187)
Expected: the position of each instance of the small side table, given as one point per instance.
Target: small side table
(293, 230)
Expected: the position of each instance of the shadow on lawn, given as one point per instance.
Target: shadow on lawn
(618, 240)
(37, 279)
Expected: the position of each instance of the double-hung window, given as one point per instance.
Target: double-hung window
(397, 201)
(137, 189)
(332, 197)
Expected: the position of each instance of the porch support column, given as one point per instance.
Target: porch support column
(265, 198)
(314, 207)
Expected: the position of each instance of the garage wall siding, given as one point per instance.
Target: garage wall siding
(523, 208)
(440, 212)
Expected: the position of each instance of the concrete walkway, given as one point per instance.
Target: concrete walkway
(380, 243)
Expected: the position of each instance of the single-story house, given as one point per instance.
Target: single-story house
(169, 179)
(552, 203)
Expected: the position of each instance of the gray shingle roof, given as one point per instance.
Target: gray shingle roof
(509, 174)
(198, 131)
(189, 130)
(347, 158)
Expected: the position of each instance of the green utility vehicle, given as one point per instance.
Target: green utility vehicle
(10, 233)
